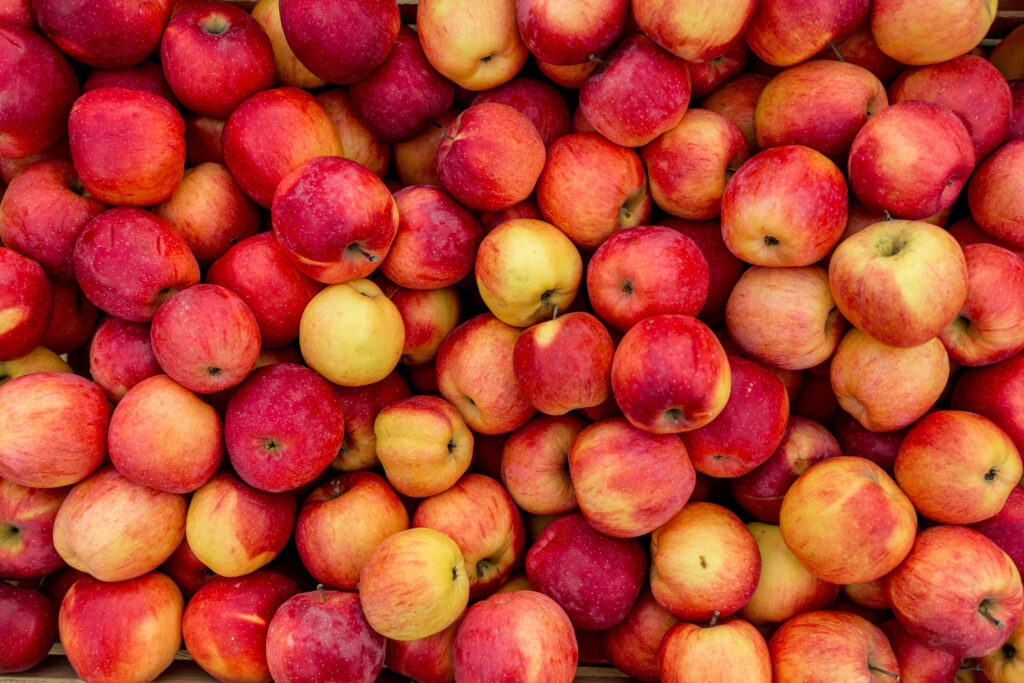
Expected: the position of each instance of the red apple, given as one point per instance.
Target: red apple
(26, 304)
(26, 530)
(858, 650)
(121, 356)
(108, 34)
(28, 629)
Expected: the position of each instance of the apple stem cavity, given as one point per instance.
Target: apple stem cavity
(879, 670)
(984, 609)
(836, 52)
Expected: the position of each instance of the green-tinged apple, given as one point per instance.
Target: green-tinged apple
(927, 32)
(563, 34)
(731, 651)
(772, 36)
(28, 629)
(632, 644)
(360, 406)
(857, 652)
(358, 141)
(534, 464)
(289, 70)
(26, 530)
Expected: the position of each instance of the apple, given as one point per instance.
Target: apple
(858, 650)
(591, 187)
(732, 650)
(121, 356)
(28, 629)
(772, 36)
(921, 141)
(534, 464)
(916, 657)
(414, 584)
(26, 304)
(915, 32)
(283, 427)
(995, 392)
(785, 206)
(128, 630)
(358, 141)
(902, 282)
(568, 34)
(415, 159)
(26, 530)
(288, 68)
(235, 529)
(986, 194)
(537, 100)
(428, 659)
(109, 34)
(957, 591)
(360, 406)
(428, 316)
(697, 34)
(53, 428)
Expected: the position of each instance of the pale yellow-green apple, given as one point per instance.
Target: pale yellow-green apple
(847, 521)
(911, 159)
(591, 187)
(427, 659)
(772, 37)
(480, 516)
(629, 482)
(534, 464)
(636, 67)
(724, 269)
(538, 100)
(128, 146)
(704, 563)
(957, 591)
(436, 241)
(121, 356)
(304, 132)
(116, 529)
(887, 387)
(415, 159)
(957, 467)
(340, 523)
(53, 429)
(563, 34)
(121, 631)
(870, 594)
(991, 190)
(475, 44)
(785, 206)
(670, 374)
(29, 630)
(423, 444)
(523, 636)
(690, 164)
(164, 436)
(697, 33)
(358, 141)
(900, 281)
(224, 625)
(282, 427)
(749, 428)
(235, 529)
(360, 406)
(323, 635)
(737, 101)
(785, 317)
(564, 364)
(821, 104)
(210, 211)
(918, 660)
(858, 651)
(971, 88)
(804, 443)
(490, 157)
(205, 338)
(923, 32)
(632, 645)
(26, 530)
(428, 316)
(990, 326)
(1006, 664)
(595, 578)
(288, 68)
(39, 359)
(351, 333)
(729, 651)
(785, 587)
(413, 584)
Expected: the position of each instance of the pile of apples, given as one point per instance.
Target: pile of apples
(681, 336)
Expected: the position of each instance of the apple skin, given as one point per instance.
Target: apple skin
(53, 428)
(236, 54)
(525, 636)
(121, 356)
(957, 591)
(340, 42)
(476, 46)
(858, 651)
(911, 159)
(537, 100)
(43, 212)
(163, 436)
(928, 33)
(26, 304)
(733, 650)
(128, 146)
(129, 630)
(632, 644)
(997, 392)
(636, 65)
(749, 428)
(560, 34)
(591, 187)
(989, 206)
(900, 281)
(886, 387)
(427, 660)
(359, 142)
(235, 529)
(28, 630)
(129, 261)
(428, 316)
(414, 584)
(628, 482)
(534, 464)
(283, 427)
(360, 406)
(595, 578)
(26, 530)
(1005, 527)
(696, 34)
(776, 190)
(840, 93)
(770, 33)
(918, 660)
(490, 157)
(304, 131)
(342, 521)
(39, 90)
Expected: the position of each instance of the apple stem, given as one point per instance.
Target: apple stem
(323, 593)
(835, 50)
(595, 58)
(890, 674)
(714, 618)
(983, 609)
